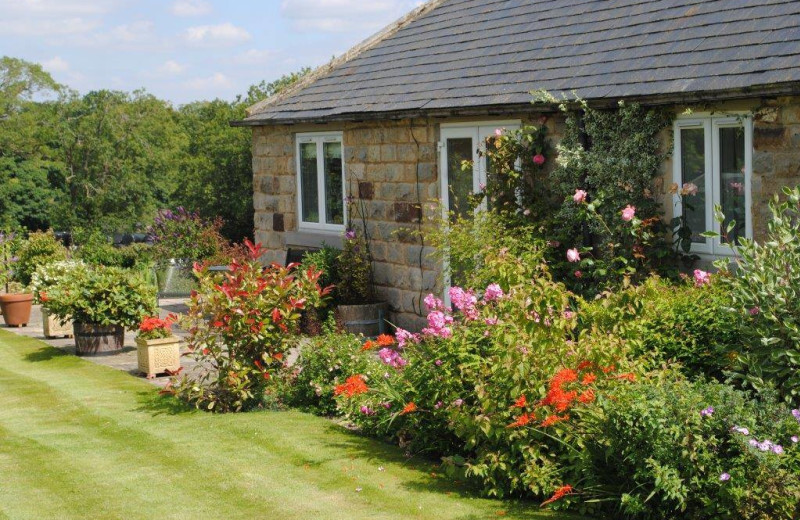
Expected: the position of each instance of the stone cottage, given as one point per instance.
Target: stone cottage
(385, 122)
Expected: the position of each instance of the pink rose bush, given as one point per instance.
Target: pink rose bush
(628, 213)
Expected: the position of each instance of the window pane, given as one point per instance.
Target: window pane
(334, 204)
(693, 170)
(459, 178)
(731, 169)
(308, 182)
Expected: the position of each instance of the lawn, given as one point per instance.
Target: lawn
(81, 440)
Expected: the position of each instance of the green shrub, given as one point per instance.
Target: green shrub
(101, 295)
(765, 289)
(323, 363)
(94, 247)
(666, 448)
(666, 322)
(40, 248)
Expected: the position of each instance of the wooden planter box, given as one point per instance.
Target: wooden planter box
(156, 356)
(54, 328)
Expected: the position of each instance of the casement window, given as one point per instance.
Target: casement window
(320, 181)
(715, 154)
(461, 142)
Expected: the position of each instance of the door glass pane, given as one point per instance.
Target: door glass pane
(334, 203)
(459, 174)
(731, 169)
(693, 170)
(308, 182)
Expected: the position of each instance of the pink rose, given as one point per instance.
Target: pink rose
(498, 132)
(701, 278)
(580, 196)
(573, 255)
(689, 188)
(578, 274)
(538, 159)
(628, 213)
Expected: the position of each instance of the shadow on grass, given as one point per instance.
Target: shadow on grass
(151, 401)
(45, 354)
(430, 478)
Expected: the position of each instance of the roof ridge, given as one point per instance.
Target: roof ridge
(351, 54)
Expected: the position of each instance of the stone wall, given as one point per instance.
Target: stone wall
(392, 167)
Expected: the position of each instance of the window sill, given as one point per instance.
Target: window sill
(314, 238)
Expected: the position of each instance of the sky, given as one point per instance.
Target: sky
(186, 50)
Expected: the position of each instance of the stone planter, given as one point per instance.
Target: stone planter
(94, 340)
(54, 328)
(16, 309)
(156, 356)
(367, 319)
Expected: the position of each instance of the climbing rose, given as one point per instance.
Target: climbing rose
(689, 188)
(573, 255)
(628, 213)
(580, 196)
(539, 159)
(492, 293)
(701, 278)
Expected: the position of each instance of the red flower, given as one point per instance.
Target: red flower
(627, 377)
(354, 385)
(278, 356)
(385, 340)
(410, 407)
(43, 296)
(608, 369)
(587, 396)
(559, 494)
(522, 420)
(520, 402)
(550, 420)
(588, 379)
(368, 345)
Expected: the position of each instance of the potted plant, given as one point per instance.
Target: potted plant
(102, 302)
(159, 350)
(15, 306)
(43, 280)
(358, 310)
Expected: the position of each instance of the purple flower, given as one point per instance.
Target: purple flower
(366, 410)
(350, 234)
(701, 278)
(754, 311)
(458, 402)
(739, 429)
(725, 477)
(796, 414)
(777, 449)
(438, 362)
(753, 443)
(708, 412)
(795, 439)
(433, 303)
(391, 358)
(766, 445)
(438, 405)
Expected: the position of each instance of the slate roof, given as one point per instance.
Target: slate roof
(458, 54)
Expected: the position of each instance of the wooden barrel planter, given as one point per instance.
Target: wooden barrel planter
(368, 319)
(16, 309)
(93, 340)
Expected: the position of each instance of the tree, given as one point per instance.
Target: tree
(20, 80)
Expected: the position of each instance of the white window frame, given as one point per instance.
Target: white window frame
(478, 131)
(711, 125)
(319, 138)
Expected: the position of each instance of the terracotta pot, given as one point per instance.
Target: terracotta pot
(54, 328)
(156, 356)
(92, 339)
(16, 309)
(368, 319)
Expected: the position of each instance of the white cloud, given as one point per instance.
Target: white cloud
(255, 57)
(55, 64)
(132, 32)
(222, 34)
(191, 8)
(215, 81)
(171, 67)
(344, 15)
(55, 8)
(46, 27)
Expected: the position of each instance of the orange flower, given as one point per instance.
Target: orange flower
(278, 356)
(385, 340)
(609, 368)
(566, 375)
(588, 379)
(559, 494)
(410, 407)
(354, 385)
(520, 402)
(368, 345)
(627, 377)
(559, 399)
(550, 420)
(584, 365)
(587, 396)
(522, 420)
